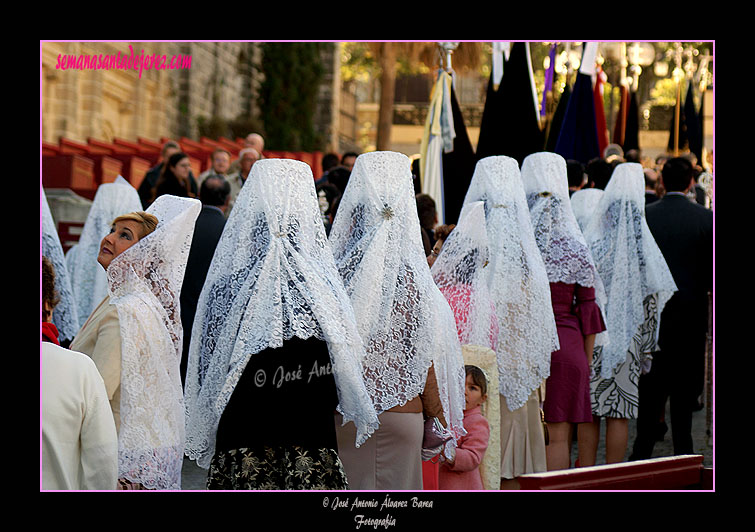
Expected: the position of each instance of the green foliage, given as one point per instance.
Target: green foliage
(663, 92)
(357, 62)
(288, 95)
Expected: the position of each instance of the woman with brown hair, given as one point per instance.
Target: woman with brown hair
(174, 178)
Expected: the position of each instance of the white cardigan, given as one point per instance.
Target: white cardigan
(79, 440)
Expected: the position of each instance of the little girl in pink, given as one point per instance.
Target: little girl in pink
(462, 472)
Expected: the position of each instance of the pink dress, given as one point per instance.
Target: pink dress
(458, 297)
(567, 390)
(465, 473)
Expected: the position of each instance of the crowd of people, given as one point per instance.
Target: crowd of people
(292, 333)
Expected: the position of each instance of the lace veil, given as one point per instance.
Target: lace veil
(88, 277)
(518, 280)
(144, 284)
(64, 316)
(629, 261)
(583, 203)
(272, 278)
(557, 233)
(460, 274)
(403, 318)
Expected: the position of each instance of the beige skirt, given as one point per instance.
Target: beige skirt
(390, 459)
(522, 439)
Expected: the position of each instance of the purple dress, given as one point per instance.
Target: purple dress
(567, 389)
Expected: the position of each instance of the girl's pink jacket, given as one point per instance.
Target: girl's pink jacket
(465, 473)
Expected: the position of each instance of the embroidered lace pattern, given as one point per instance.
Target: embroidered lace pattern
(64, 316)
(403, 318)
(144, 284)
(272, 277)
(88, 277)
(460, 274)
(628, 259)
(557, 233)
(517, 279)
(583, 203)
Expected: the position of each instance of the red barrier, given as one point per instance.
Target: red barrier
(313, 159)
(133, 168)
(68, 171)
(72, 147)
(135, 158)
(67, 237)
(684, 472)
(106, 168)
(48, 148)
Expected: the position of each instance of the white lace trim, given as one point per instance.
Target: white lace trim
(403, 318)
(88, 277)
(272, 277)
(629, 261)
(557, 233)
(64, 316)
(460, 273)
(518, 280)
(583, 203)
(144, 285)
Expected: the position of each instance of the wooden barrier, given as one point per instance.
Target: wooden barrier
(48, 148)
(83, 167)
(131, 147)
(684, 472)
(133, 168)
(199, 151)
(106, 168)
(68, 171)
(67, 237)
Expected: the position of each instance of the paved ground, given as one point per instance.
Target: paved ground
(194, 478)
(702, 442)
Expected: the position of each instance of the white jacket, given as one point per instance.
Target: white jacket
(79, 441)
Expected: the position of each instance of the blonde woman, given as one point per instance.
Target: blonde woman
(135, 337)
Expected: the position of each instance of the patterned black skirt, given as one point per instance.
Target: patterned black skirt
(279, 468)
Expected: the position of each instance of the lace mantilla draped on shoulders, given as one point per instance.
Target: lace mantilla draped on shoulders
(557, 233)
(628, 259)
(583, 203)
(403, 318)
(517, 278)
(65, 316)
(88, 277)
(144, 284)
(272, 278)
(460, 274)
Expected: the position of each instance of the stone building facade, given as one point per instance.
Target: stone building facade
(219, 87)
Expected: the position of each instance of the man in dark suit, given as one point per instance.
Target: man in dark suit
(684, 233)
(214, 194)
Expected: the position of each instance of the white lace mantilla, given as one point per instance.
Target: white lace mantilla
(583, 203)
(460, 274)
(518, 280)
(144, 284)
(64, 316)
(557, 233)
(628, 259)
(88, 277)
(403, 318)
(272, 278)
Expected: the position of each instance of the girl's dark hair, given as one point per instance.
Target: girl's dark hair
(478, 377)
(49, 294)
(442, 231)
